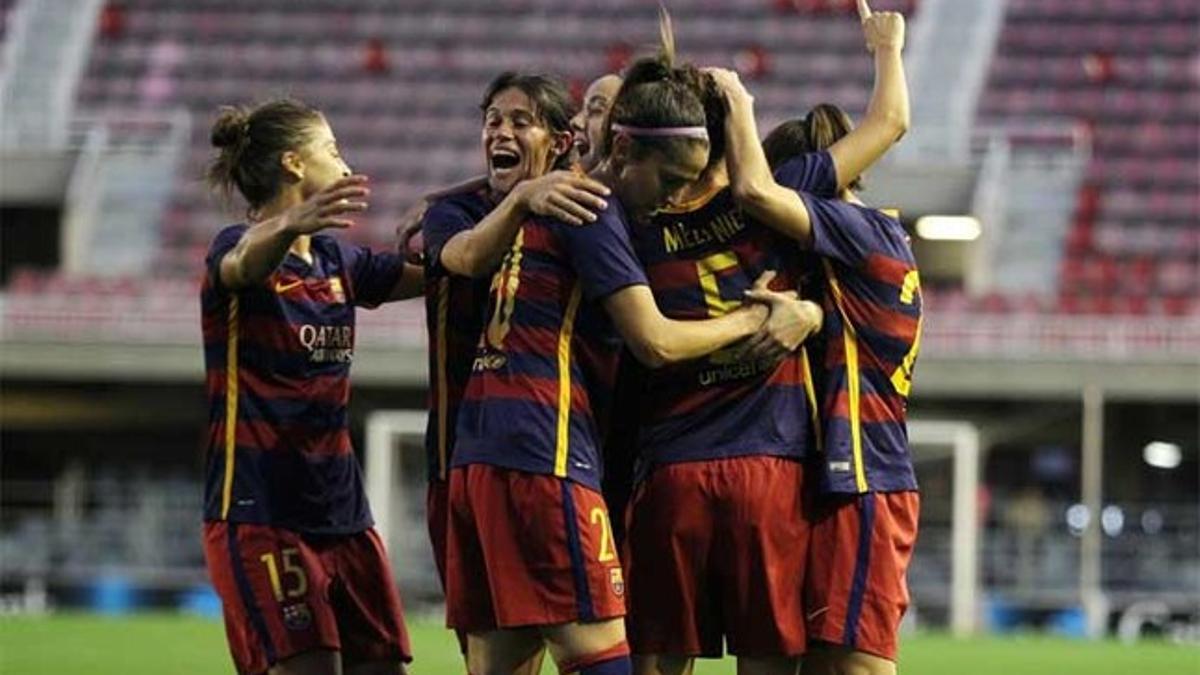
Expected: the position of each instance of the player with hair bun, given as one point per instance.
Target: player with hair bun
(865, 519)
(530, 554)
(303, 577)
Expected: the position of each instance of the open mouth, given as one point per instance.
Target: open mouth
(582, 147)
(502, 160)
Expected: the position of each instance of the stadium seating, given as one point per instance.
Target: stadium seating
(411, 122)
(1124, 70)
(1127, 71)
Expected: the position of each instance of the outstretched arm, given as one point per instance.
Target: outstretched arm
(887, 115)
(754, 185)
(263, 246)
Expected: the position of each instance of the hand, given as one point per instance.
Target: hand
(568, 196)
(791, 322)
(322, 210)
(729, 84)
(882, 30)
(410, 244)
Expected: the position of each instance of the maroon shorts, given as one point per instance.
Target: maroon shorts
(527, 549)
(717, 549)
(856, 592)
(437, 513)
(285, 594)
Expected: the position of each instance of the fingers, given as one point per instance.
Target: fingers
(585, 199)
(590, 185)
(332, 196)
(562, 208)
(357, 180)
(340, 207)
(763, 295)
(864, 10)
(763, 280)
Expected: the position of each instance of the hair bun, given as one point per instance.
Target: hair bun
(231, 128)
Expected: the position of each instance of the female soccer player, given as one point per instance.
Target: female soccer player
(865, 528)
(718, 541)
(526, 133)
(303, 578)
(589, 124)
(530, 555)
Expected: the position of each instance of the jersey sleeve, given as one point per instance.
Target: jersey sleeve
(812, 172)
(442, 221)
(373, 274)
(602, 255)
(850, 233)
(221, 245)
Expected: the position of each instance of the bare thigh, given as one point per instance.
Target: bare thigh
(826, 659)
(502, 652)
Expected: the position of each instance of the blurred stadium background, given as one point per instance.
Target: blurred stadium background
(1057, 398)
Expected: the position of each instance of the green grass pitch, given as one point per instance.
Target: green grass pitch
(167, 644)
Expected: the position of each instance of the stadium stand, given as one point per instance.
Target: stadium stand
(1127, 72)
(413, 124)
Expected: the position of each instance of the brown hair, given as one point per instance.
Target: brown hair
(823, 126)
(551, 101)
(657, 93)
(251, 142)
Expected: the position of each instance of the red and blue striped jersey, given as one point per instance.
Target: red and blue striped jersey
(277, 358)
(700, 262)
(543, 374)
(872, 333)
(454, 311)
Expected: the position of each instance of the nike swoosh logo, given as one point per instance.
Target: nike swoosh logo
(281, 287)
(812, 615)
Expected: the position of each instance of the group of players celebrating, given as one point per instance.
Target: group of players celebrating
(641, 310)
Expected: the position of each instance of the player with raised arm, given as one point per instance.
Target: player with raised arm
(866, 520)
(525, 135)
(303, 578)
(530, 554)
(722, 439)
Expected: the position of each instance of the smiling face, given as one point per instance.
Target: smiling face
(588, 123)
(649, 180)
(516, 142)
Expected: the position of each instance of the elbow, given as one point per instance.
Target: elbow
(749, 192)
(898, 122)
(651, 353)
(902, 123)
(466, 263)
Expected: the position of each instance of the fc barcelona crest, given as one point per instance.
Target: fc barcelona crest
(335, 288)
(297, 617)
(617, 580)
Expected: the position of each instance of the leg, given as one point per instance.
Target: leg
(273, 594)
(762, 559)
(856, 593)
(826, 659)
(370, 616)
(673, 616)
(533, 666)
(502, 652)
(768, 665)
(580, 647)
(661, 664)
(323, 662)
